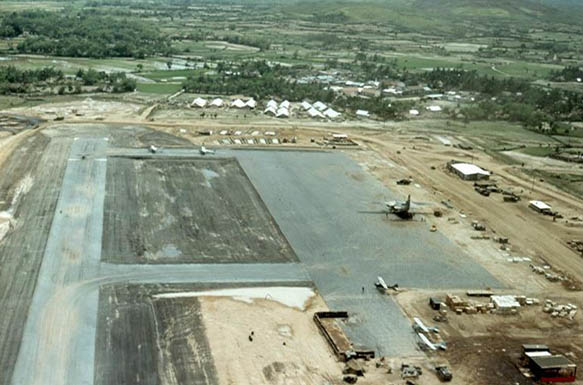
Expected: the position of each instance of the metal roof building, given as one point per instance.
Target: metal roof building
(539, 206)
(468, 171)
(547, 367)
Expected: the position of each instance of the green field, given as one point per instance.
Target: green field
(538, 151)
(159, 88)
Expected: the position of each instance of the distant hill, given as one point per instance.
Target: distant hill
(445, 15)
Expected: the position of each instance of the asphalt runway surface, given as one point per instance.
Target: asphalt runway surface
(315, 197)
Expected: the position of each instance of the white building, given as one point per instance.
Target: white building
(504, 303)
(320, 106)
(272, 103)
(540, 206)
(468, 171)
(362, 113)
(330, 113)
(393, 91)
(285, 104)
(433, 108)
(413, 112)
(306, 106)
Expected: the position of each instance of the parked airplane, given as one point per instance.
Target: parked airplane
(418, 325)
(401, 209)
(204, 150)
(382, 286)
(424, 343)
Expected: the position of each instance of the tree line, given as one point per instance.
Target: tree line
(83, 34)
(46, 79)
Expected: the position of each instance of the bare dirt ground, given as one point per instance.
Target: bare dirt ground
(286, 346)
(87, 109)
(489, 344)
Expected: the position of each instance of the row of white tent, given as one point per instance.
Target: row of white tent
(280, 110)
(273, 104)
(218, 102)
(319, 110)
(201, 103)
(238, 103)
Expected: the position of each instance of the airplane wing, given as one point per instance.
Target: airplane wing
(426, 342)
(382, 283)
(420, 325)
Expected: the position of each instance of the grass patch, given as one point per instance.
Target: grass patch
(159, 88)
(538, 151)
(169, 74)
(568, 182)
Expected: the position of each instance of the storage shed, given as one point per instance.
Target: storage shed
(505, 303)
(547, 367)
(468, 171)
(435, 303)
(540, 207)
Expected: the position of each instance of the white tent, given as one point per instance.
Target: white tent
(218, 102)
(413, 112)
(270, 111)
(272, 103)
(320, 106)
(282, 113)
(306, 106)
(238, 103)
(198, 102)
(284, 104)
(433, 108)
(315, 113)
(362, 113)
(331, 113)
(251, 103)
